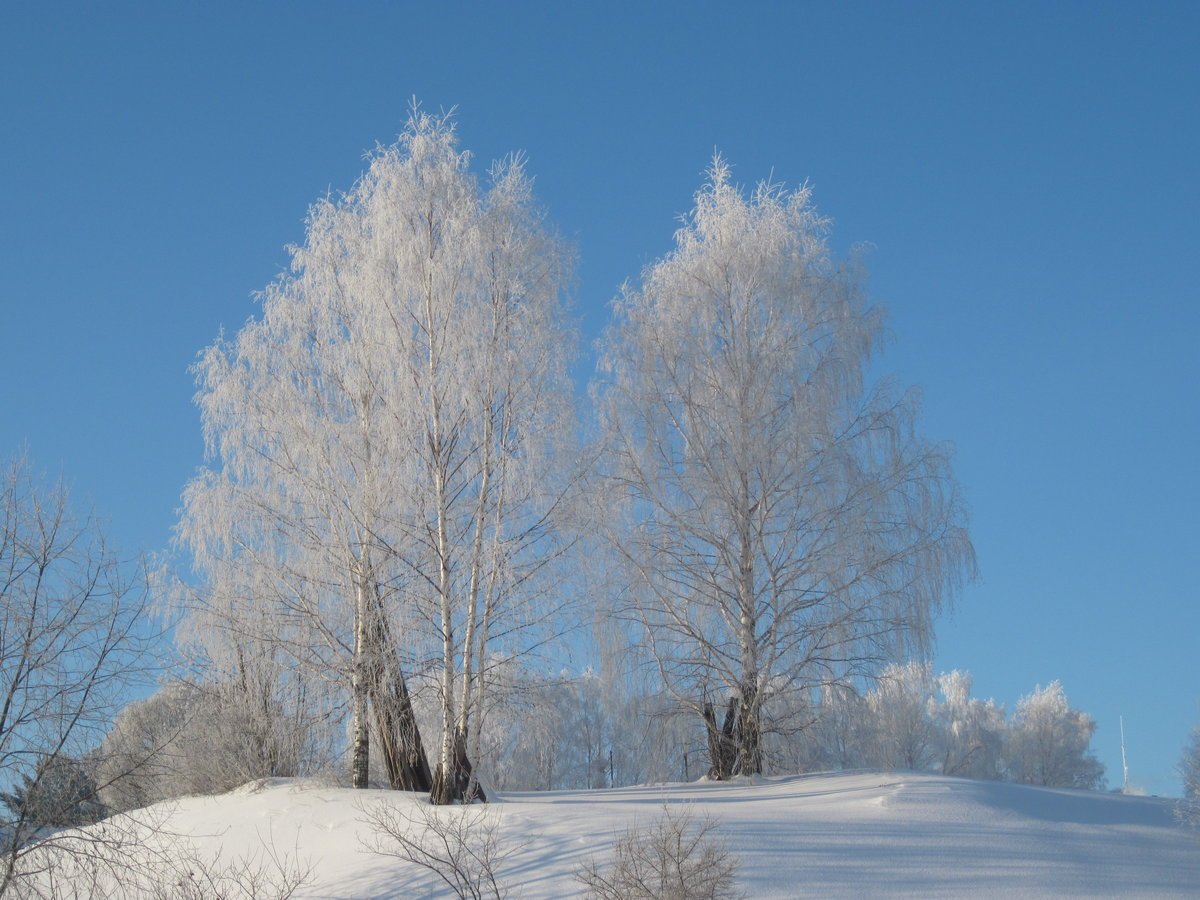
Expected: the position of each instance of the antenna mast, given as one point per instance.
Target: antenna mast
(1124, 764)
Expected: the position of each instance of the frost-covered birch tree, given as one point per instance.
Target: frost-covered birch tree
(898, 710)
(476, 327)
(1049, 742)
(286, 529)
(784, 525)
(388, 439)
(973, 730)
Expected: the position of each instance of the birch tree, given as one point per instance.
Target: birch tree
(475, 326)
(387, 437)
(1049, 743)
(285, 529)
(973, 730)
(899, 716)
(783, 524)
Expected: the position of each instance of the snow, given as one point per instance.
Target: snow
(846, 835)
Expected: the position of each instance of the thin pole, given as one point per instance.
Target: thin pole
(1124, 764)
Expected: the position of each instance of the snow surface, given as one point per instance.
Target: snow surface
(845, 835)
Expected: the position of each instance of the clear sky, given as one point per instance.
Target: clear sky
(1027, 176)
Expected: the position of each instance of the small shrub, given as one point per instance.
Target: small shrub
(459, 844)
(676, 858)
(138, 856)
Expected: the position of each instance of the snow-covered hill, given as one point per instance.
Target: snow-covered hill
(846, 835)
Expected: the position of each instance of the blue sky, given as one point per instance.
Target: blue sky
(1026, 176)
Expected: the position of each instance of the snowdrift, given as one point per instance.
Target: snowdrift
(847, 835)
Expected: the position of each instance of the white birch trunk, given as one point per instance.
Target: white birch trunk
(360, 685)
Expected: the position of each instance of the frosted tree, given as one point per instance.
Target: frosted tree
(903, 734)
(1048, 743)
(480, 409)
(972, 730)
(389, 436)
(286, 529)
(840, 736)
(784, 525)
(188, 739)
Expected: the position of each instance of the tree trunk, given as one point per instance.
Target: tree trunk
(454, 788)
(722, 746)
(749, 727)
(395, 722)
(399, 737)
(475, 723)
(359, 681)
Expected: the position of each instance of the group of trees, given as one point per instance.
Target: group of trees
(77, 639)
(403, 510)
(400, 490)
(914, 721)
(188, 739)
(404, 517)
(572, 731)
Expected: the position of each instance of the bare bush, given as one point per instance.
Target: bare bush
(675, 858)
(137, 856)
(461, 845)
(266, 875)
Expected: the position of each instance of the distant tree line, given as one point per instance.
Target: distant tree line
(573, 732)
